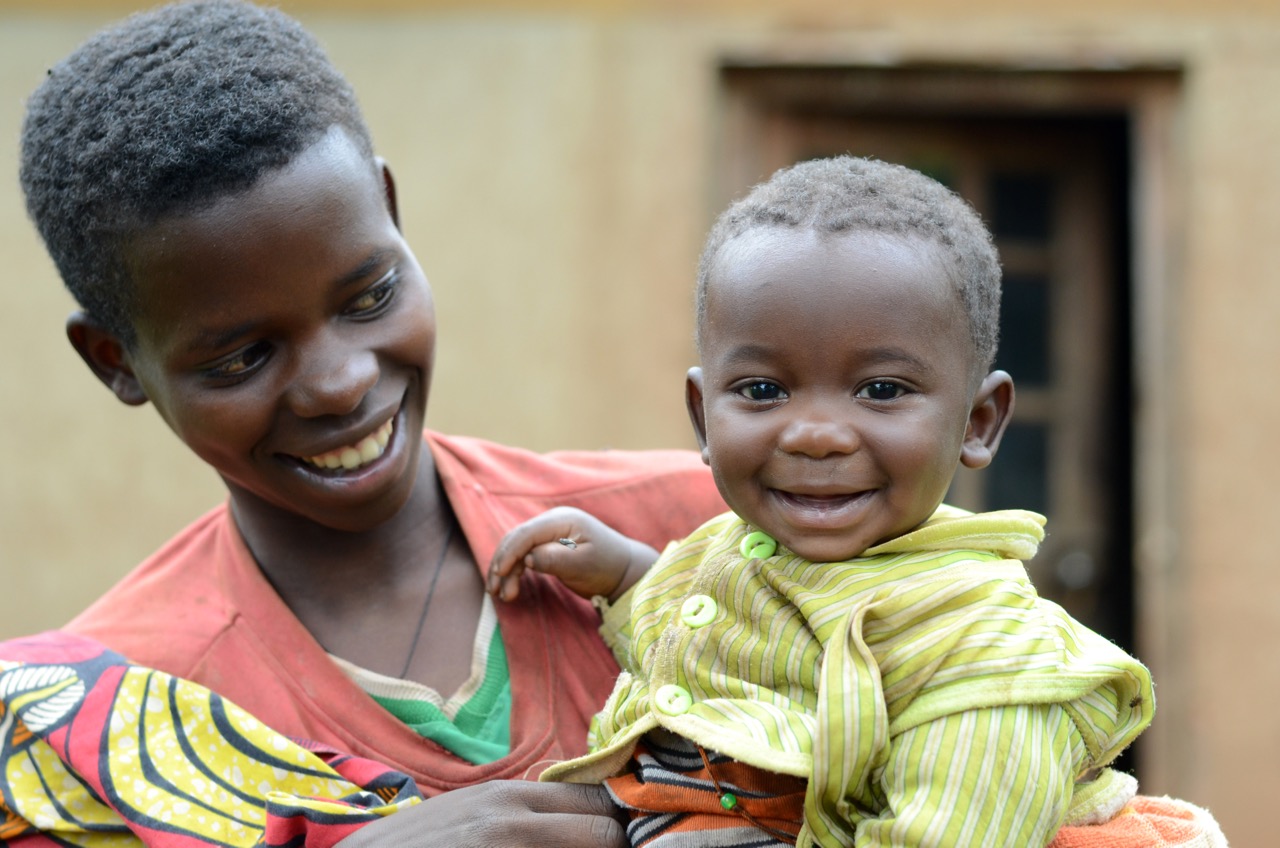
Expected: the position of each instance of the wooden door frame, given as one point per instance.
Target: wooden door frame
(1150, 99)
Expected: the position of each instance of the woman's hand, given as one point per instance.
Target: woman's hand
(587, 555)
(501, 814)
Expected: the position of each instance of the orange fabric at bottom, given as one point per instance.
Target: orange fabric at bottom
(1146, 822)
(675, 788)
(669, 805)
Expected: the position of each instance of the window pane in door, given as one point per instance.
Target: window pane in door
(1018, 478)
(1021, 205)
(1024, 330)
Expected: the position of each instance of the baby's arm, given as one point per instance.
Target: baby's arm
(1001, 776)
(587, 555)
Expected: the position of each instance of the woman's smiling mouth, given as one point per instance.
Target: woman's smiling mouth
(351, 457)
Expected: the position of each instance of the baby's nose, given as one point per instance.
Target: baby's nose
(819, 436)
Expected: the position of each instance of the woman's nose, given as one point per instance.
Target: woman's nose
(332, 380)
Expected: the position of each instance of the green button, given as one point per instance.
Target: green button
(758, 545)
(699, 610)
(672, 700)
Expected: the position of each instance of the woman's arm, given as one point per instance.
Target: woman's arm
(501, 814)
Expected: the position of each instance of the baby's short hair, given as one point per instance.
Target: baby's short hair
(161, 114)
(851, 194)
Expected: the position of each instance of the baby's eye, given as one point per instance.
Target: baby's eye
(881, 390)
(373, 300)
(240, 363)
(762, 390)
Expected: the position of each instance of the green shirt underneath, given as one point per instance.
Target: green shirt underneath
(477, 727)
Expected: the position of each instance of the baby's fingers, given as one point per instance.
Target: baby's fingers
(505, 585)
(514, 552)
(547, 558)
(563, 557)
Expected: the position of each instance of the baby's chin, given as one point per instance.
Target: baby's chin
(835, 547)
(820, 535)
(822, 550)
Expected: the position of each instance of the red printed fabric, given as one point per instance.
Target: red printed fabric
(97, 752)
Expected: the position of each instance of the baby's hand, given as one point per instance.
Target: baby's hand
(588, 556)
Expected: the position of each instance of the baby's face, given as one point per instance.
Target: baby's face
(836, 386)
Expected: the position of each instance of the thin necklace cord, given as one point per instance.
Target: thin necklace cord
(426, 605)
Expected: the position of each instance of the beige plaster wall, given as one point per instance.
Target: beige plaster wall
(554, 163)
(88, 488)
(561, 269)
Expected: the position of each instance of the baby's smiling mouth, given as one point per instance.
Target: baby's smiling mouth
(819, 501)
(823, 504)
(351, 457)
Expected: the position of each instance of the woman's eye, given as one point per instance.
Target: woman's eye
(374, 299)
(881, 390)
(241, 362)
(762, 390)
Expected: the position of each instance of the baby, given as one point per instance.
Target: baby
(843, 659)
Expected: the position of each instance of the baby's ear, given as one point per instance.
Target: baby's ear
(693, 402)
(106, 357)
(988, 417)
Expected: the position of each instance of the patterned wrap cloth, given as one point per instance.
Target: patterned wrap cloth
(99, 753)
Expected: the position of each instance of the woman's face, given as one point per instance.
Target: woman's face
(286, 335)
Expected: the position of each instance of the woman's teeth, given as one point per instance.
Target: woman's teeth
(353, 456)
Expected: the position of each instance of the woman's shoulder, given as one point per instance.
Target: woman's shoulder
(166, 611)
(508, 467)
(651, 495)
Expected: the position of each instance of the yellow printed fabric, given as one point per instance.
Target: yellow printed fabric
(99, 753)
(924, 690)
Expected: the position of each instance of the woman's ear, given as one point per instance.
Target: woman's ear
(988, 417)
(389, 189)
(106, 357)
(693, 402)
